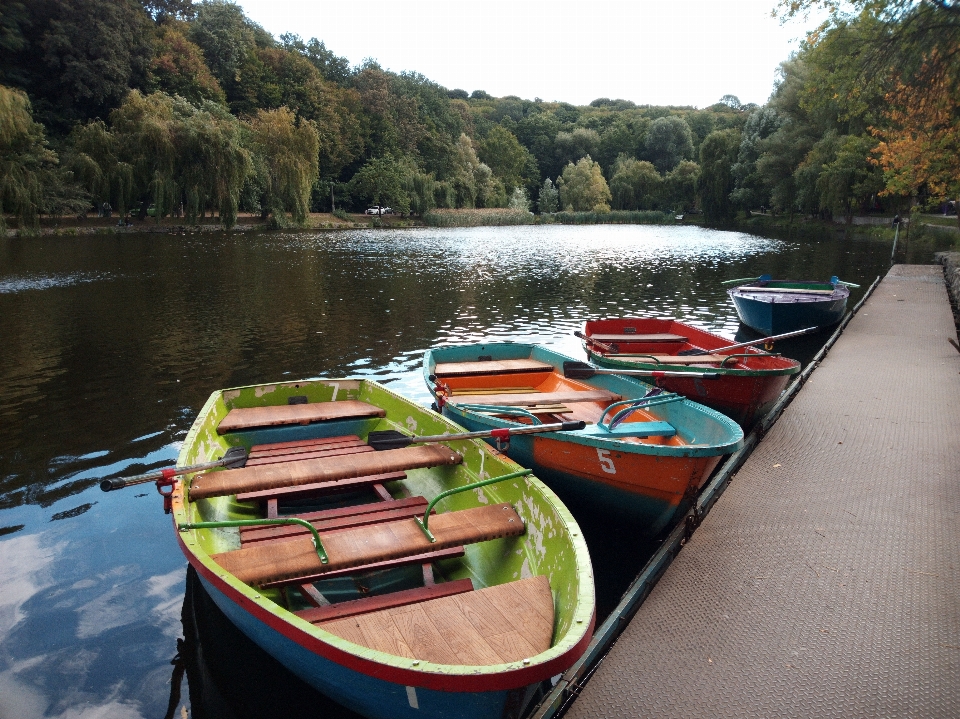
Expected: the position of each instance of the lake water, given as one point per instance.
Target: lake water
(110, 345)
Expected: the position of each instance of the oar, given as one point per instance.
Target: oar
(837, 281)
(582, 370)
(612, 349)
(392, 439)
(762, 340)
(234, 458)
(761, 278)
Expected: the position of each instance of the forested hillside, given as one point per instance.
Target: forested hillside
(180, 107)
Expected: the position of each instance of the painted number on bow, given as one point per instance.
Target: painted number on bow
(606, 463)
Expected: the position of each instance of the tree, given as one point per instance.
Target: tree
(572, 146)
(635, 185)
(285, 156)
(749, 190)
(717, 155)
(668, 141)
(680, 186)
(584, 189)
(920, 146)
(178, 67)
(549, 200)
(382, 180)
(25, 160)
(505, 156)
(83, 57)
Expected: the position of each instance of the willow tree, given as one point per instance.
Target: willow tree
(214, 162)
(284, 158)
(635, 185)
(25, 160)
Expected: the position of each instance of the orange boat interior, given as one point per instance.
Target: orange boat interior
(538, 389)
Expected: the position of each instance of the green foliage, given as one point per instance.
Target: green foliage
(717, 155)
(382, 180)
(477, 217)
(575, 145)
(25, 160)
(178, 67)
(680, 186)
(519, 200)
(584, 188)
(614, 217)
(668, 141)
(284, 154)
(549, 200)
(505, 156)
(635, 185)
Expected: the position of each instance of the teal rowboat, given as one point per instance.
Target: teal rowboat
(320, 551)
(642, 456)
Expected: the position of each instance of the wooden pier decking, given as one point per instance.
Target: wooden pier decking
(825, 582)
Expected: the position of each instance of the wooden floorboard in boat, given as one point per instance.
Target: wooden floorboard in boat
(455, 369)
(260, 461)
(500, 624)
(672, 359)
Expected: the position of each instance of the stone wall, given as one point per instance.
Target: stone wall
(951, 273)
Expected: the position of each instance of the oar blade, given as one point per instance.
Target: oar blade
(388, 439)
(578, 370)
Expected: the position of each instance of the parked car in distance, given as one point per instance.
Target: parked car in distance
(377, 210)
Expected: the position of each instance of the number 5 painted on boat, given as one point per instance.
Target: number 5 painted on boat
(606, 463)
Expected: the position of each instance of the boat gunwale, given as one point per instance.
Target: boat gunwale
(374, 663)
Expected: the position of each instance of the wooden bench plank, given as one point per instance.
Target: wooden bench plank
(424, 558)
(671, 359)
(325, 469)
(505, 623)
(388, 511)
(656, 337)
(272, 561)
(316, 489)
(402, 598)
(786, 291)
(249, 417)
(457, 369)
(538, 398)
(259, 461)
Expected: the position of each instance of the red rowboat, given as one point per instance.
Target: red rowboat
(750, 379)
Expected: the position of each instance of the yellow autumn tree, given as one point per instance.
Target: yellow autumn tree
(920, 141)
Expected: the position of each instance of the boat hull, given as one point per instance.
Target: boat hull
(363, 693)
(777, 314)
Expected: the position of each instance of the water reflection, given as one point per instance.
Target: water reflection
(112, 344)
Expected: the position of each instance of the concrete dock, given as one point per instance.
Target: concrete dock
(826, 580)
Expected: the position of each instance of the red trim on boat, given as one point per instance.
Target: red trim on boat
(459, 682)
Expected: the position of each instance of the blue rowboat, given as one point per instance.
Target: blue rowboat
(774, 307)
(324, 551)
(643, 456)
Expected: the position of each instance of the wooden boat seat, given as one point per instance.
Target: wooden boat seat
(538, 398)
(494, 625)
(270, 561)
(250, 417)
(457, 369)
(786, 290)
(658, 337)
(672, 359)
(320, 470)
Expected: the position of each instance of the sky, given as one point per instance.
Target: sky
(657, 52)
